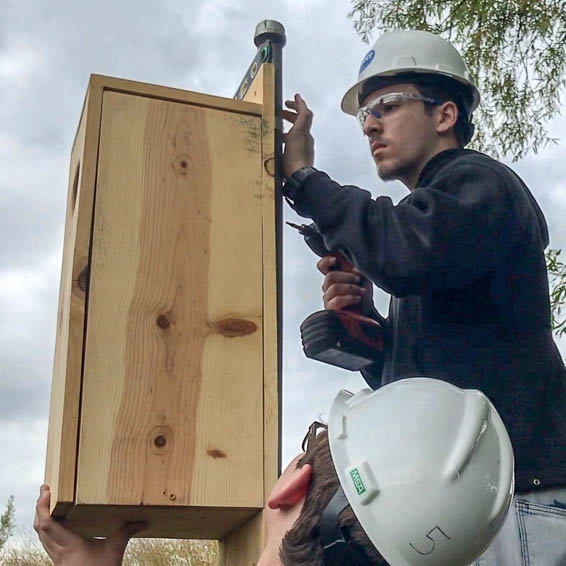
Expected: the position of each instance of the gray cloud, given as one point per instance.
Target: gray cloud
(47, 51)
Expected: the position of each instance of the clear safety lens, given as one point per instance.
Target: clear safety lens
(387, 104)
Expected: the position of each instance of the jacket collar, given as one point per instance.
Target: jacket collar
(436, 163)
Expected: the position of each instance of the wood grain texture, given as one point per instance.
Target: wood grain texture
(158, 92)
(163, 521)
(170, 393)
(67, 366)
(243, 546)
(271, 408)
(174, 336)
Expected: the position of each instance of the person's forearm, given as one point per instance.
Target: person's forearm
(439, 237)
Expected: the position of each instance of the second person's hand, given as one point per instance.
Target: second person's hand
(66, 548)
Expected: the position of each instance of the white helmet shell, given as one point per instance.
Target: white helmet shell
(427, 468)
(411, 51)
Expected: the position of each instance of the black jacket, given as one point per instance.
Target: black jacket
(462, 257)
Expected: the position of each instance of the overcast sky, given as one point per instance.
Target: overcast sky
(48, 49)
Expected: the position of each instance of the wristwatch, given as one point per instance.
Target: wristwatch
(293, 184)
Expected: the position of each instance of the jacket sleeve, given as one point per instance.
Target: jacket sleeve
(442, 236)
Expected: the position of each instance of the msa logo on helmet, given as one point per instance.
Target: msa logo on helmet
(358, 483)
(367, 60)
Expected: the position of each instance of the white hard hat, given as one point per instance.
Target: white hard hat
(427, 468)
(414, 52)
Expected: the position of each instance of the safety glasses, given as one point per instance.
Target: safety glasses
(313, 431)
(387, 104)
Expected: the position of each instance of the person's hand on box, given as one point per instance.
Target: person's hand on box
(66, 548)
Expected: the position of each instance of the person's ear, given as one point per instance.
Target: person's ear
(447, 116)
(291, 488)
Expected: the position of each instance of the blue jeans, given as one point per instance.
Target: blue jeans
(534, 532)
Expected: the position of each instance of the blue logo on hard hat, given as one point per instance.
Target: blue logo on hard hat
(367, 60)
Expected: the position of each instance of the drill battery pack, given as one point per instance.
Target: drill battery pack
(342, 338)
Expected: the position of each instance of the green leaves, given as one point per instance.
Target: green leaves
(514, 48)
(557, 276)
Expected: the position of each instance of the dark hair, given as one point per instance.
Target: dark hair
(440, 88)
(301, 545)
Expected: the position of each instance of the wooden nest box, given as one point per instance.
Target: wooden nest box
(165, 395)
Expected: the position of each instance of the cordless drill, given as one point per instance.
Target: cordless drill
(344, 338)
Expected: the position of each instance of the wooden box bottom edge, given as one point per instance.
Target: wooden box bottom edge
(190, 522)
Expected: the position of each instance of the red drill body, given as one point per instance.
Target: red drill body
(344, 338)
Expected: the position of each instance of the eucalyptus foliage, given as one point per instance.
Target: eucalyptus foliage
(514, 48)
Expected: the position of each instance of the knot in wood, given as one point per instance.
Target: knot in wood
(215, 453)
(161, 440)
(181, 164)
(234, 327)
(163, 322)
(82, 280)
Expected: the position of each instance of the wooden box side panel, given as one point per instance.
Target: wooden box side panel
(172, 404)
(65, 388)
(243, 545)
(271, 326)
(262, 91)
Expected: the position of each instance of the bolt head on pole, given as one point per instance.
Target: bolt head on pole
(269, 29)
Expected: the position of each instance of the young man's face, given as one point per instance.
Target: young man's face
(404, 138)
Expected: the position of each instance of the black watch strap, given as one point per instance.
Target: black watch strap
(293, 183)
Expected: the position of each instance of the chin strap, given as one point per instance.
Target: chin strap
(337, 548)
